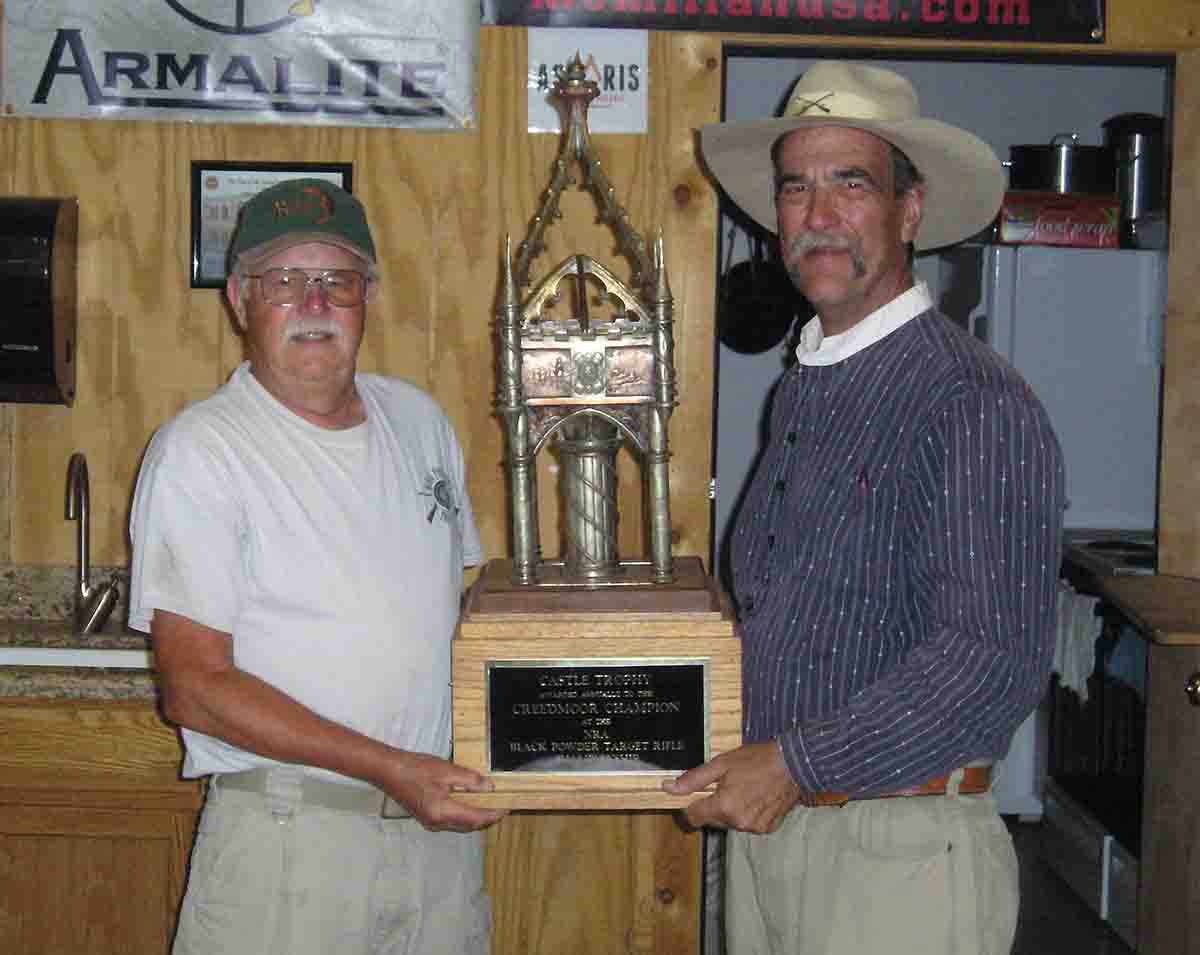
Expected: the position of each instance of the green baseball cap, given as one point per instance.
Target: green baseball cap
(301, 210)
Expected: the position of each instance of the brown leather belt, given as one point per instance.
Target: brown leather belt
(975, 780)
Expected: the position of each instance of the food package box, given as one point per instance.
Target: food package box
(1057, 218)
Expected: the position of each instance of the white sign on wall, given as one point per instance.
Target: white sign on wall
(616, 60)
(296, 62)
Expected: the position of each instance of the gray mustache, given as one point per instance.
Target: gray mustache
(812, 241)
(300, 327)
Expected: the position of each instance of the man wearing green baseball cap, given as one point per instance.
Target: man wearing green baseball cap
(299, 543)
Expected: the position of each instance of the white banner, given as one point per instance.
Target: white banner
(296, 62)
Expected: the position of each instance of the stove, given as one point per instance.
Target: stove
(1113, 552)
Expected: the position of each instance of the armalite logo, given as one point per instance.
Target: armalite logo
(265, 17)
(252, 58)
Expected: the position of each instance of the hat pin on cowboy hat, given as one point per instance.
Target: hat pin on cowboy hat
(964, 180)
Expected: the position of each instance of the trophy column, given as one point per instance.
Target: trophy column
(589, 447)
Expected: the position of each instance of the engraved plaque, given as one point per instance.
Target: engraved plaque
(647, 715)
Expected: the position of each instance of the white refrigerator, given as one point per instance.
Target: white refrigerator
(1084, 328)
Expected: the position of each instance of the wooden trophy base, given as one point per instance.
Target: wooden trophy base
(572, 697)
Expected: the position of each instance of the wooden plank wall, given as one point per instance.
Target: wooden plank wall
(440, 203)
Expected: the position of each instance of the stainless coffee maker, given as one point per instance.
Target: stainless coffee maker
(1138, 142)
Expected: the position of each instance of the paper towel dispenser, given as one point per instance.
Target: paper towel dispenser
(38, 241)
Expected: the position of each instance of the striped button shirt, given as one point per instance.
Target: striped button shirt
(895, 561)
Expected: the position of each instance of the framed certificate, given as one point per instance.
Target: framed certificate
(218, 191)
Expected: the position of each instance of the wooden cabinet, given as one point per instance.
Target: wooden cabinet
(1169, 900)
(95, 828)
(1166, 608)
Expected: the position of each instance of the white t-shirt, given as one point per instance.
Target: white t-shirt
(334, 558)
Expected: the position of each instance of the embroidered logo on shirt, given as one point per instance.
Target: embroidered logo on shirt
(443, 501)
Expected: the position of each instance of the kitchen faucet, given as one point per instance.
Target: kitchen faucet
(92, 604)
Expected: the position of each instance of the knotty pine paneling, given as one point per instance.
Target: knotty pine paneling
(607, 882)
(440, 204)
(1167, 25)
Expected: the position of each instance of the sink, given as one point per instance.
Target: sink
(54, 643)
(37, 626)
(76, 657)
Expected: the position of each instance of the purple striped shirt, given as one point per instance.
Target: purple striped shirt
(895, 562)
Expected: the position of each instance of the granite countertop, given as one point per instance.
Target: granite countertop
(35, 611)
(51, 682)
(76, 683)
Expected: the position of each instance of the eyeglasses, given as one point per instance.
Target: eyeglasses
(343, 288)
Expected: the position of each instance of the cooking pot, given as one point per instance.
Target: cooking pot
(1063, 165)
(757, 303)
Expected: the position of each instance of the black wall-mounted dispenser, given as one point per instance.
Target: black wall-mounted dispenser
(38, 243)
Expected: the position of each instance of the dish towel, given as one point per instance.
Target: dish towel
(1127, 661)
(1076, 630)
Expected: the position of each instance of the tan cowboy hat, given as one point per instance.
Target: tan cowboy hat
(964, 181)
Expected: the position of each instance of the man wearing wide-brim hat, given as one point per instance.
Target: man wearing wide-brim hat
(895, 556)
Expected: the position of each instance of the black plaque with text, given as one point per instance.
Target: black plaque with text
(1041, 21)
(597, 716)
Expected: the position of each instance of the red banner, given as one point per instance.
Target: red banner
(1034, 21)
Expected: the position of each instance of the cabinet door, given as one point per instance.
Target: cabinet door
(95, 827)
(1169, 890)
(90, 880)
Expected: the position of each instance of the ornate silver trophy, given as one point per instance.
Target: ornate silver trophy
(591, 382)
(582, 683)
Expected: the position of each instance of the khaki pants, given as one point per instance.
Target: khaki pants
(927, 875)
(269, 877)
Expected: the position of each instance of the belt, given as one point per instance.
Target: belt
(365, 800)
(975, 780)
